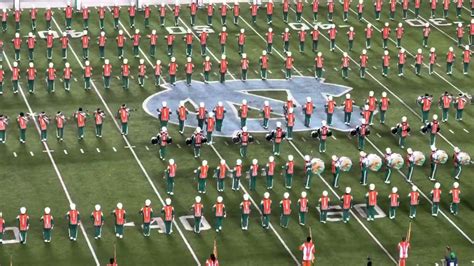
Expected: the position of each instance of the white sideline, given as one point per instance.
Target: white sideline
(464, 234)
(133, 151)
(243, 188)
(53, 162)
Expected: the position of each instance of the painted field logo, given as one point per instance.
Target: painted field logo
(255, 92)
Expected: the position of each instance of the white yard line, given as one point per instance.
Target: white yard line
(426, 197)
(243, 188)
(53, 162)
(352, 212)
(131, 148)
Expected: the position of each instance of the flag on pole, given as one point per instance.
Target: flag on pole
(310, 233)
(11, 260)
(115, 253)
(214, 251)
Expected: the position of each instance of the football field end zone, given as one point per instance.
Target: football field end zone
(55, 167)
(367, 230)
(416, 114)
(243, 188)
(325, 37)
(133, 152)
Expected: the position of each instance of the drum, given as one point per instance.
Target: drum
(345, 164)
(375, 162)
(419, 158)
(396, 161)
(317, 166)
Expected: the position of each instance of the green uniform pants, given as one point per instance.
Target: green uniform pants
(322, 145)
(323, 215)
(22, 135)
(411, 167)
(197, 224)
(244, 221)
(219, 220)
(31, 85)
(276, 148)
(388, 175)
(370, 212)
(266, 221)
(146, 229)
(302, 218)
(269, 181)
(169, 185)
(453, 208)
(329, 118)
(363, 176)
(288, 180)
(220, 184)
(346, 215)
(162, 152)
(119, 228)
(412, 211)
(435, 209)
(97, 232)
(392, 212)
(23, 236)
(243, 150)
(253, 182)
(284, 220)
(236, 183)
(308, 178)
(125, 82)
(73, 231)
(67, 84)
(47, 232)
(98, 130)
(202, 185)
(335, 181)
(434, 167)
(168, 227)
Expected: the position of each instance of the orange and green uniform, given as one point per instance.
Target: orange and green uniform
(302, 210)
(221, 173)
(2, 77)
(245, 213)
(414, 197)
(455, 200)
(120, 216)
(120, 39)
(330, 108)
(290, 123)
(210, 13)
(101, 15)
(402, 132)
(74, 219)
(31, 73)
(450, 57)
(147, 214)
(22, 125)
(236, 175)
(125, 76)
(243, 114)
(68, 13)
(67, 75)
(236, 13)
(98, 121)
(308, 253)
(459, 104)
(323, 208)
(223, 65)
(164, 116)
(189, 67)
(3, 129)
(266, 209)
(193, 7)
(153, 41)
(51, 76)
(425, 103)
(172, 69)
(277, 136)
(197, 209)
(136, 44)
(48, 224)
(158, 69)
(168, 217)
(116, 15)
(346, 200)
(182, 113)
(123, 115)
(64, 40)
(170, 174)
(270, 172)
(383, 107)
(220, 213)
(87, 77)
(81, 123)
(141, 74)
(210, 126)
(98, 221)
(436, 198)
(23, 226)
(253, 172)
(196, 142)
(445, 103)
(201, 174)
(371, 198)
(17, 46)
(49, 46)
(285, 206)
(289, 168)
(394, 199)
(132, 11)
(4, 21)
(43, 122)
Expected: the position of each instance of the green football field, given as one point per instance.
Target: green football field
(127, 169)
